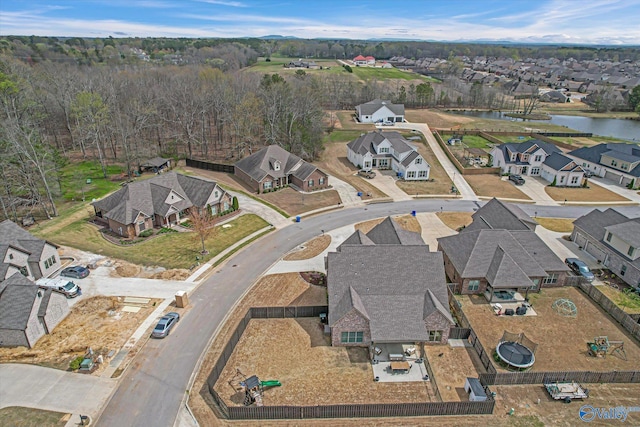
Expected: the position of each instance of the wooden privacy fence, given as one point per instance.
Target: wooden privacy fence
(458, 165)
(326, 411)
(513, 378)
(216, 167)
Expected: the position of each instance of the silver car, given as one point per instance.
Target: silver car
(165, 324)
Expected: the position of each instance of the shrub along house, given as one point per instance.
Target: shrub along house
(386, 287)
(562, 171)
(161, 201)
(274, 167)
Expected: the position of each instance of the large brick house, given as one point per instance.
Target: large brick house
(613, 239)
(24, 253)
(485, 261)
(28, 311)
(274, 167)
(161, 201)
(497, 215)
(384, 287)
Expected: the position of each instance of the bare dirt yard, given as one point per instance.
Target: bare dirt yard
(437, 119)
(126, 269)
(348, 122)
(97, 322)
(310, 249)
(562, 341)
(493, 186)
(594, 193)
(451, 366)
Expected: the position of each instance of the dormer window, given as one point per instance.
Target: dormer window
(10, 256)
(276, 165)
(513, 157)
(418, 161)
(215, 194)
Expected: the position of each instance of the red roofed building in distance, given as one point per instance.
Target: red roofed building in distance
(362, 60)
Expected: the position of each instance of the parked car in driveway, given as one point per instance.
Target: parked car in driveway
(165, 324)
(517, 179)
(75, 271)
(588, 173)
(580, 268)
(367, 174)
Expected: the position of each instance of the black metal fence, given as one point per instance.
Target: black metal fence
(216, 167)
(326, 411)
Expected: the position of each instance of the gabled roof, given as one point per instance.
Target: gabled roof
(504, 272)
(156, 162)
(628, 231)
(394, 296)
(367, 143)
(597, 223)
(627, 152)
(472, 252)
(357, 238)
(11, 234)
(560, 162)
(264, 162)
(389, 232)
(526, 147)
(149, 197)
(496, 214)
(369, 108)
(16, 302)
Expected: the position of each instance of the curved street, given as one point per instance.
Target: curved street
(154, 386)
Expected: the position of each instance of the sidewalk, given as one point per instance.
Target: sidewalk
(348, 194)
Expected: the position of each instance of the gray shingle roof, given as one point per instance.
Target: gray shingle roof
(388, 285)
(525, 147)
(369, 108)
(262, 163)
(594, 222)
(628, 231)
(496, 214)
(156, 162)
(504, 272)
(149, 196)
(369, 141)
(357, 238)
(12, 234)
(626, 152)
(16, 302)
(388, 232)
(472, 252)
(557, 161)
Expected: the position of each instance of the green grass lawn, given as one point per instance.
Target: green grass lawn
(276, 65)
(472, 141)
(170, 250)
(75, 182)
(339, 135)
(17, 416)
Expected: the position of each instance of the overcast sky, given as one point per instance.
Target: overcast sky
(556, 21)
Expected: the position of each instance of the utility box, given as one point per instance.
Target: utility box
(181, 299)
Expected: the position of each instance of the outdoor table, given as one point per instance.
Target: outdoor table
(400, 367)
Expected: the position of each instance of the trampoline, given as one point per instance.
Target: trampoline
(515, 354)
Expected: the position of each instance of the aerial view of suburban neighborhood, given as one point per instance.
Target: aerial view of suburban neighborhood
(251, 213)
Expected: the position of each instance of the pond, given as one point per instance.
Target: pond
(615, 128)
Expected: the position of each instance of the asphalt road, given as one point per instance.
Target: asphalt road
(153, 387)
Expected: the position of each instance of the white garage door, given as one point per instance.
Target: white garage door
(580, 240)
(595, 252)
(612, 176)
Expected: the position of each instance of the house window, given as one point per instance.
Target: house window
(23, 271)
(383, 163)
(226, 206)
(624, 166)
(310, 183)
(10, 256)
(266, 185)
(525, 157)
(213, 209)
(435, 336)
(538, 158)
(411, 174)
(623, 270)
(630, 251)
(422, 174)
(46, 263)
(474, 285)
(513, 157)
(535, 171)
(574, 179)
(614, 163)
(367, 165)
(609, 237)
(351, 337)
(320, 181)
(551, 279)
(383, 150)
(141, 225)
(561, 179)
(418, 161)
(536, 284)
(215, 194)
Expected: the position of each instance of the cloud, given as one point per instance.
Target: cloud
(224, 3)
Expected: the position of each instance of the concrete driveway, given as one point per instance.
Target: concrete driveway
(44, 388)
(433, 229)
(348, 194)
(458, 180)
(534, 188)
(386, 183)
(623, 191)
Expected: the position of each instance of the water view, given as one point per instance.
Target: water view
(615, 128)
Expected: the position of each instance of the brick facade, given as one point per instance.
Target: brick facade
(437, 322)
(353, 321)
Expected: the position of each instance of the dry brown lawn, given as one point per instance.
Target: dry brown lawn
(594, 193)
(560, 225)
(436, 119)
(441, 183)
(348, 122)
(296, 352)
(334, 161)
(89, 324)
(408, 222)
(310, 249)
(294, 202)
(455, 220)
(451, 366)
(493, 186)
(561, 340)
